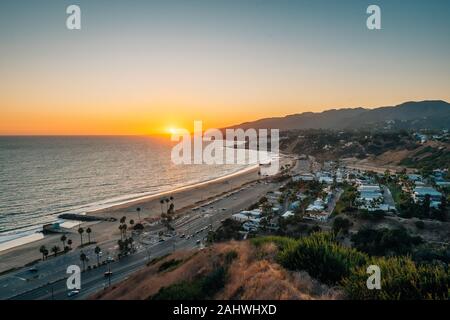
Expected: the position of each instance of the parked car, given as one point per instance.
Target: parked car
(73, 293)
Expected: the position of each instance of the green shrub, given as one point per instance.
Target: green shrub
(420, 224)
(198, 289)
(401, 279)
(321, 257)
(227, 231)
(169, 265)
(230, 256)
(281, 242)
(341, 224)
(385, 241)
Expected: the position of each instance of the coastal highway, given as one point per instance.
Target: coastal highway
(49, 282)
(94, 280)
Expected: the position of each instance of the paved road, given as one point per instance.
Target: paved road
(388, 199)
(336, 196)
(50, 280)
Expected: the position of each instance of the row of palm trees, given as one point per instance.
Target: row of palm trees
(84, 258)
(169, 205)
(166, 215)
(56, 249)
(88, 232)
(123, 227)
(125, 243)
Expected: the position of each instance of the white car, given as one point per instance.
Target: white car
(73, 293)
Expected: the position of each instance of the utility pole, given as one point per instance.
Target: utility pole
(109, 274)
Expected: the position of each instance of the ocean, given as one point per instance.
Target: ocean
(42, 177)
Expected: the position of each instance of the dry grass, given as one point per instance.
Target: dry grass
(252, 275)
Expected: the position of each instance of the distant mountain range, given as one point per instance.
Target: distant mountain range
(409, 115)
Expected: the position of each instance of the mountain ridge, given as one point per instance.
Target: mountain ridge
(430, 114)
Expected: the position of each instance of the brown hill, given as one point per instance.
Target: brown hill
(252, 274)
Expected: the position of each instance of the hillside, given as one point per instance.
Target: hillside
(409, 115)
(313, 267)
(250, 274)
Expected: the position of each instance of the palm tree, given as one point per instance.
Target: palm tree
(97, 251)
(123, 219)
(125, 230)
(80, 231)
(45, 253)
(55, 250)
(121, 231)
(42, 250)
(167, 203)
(63, 240)
(83, 259)
(88, 231)
(69, 243)
(138, 209)
(120, 244)
(161, 202)
(130, 241)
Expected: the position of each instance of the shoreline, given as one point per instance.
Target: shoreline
(28, 236)
(143, 199)
(103, 232)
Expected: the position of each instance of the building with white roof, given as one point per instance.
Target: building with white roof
(420, 193)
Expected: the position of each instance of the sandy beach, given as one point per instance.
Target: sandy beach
(184, 199)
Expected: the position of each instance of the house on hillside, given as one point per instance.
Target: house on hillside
(420, 193)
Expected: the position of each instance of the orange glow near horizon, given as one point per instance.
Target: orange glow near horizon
(111, 120)
(156, 65)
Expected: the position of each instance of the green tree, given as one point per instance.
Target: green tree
(89, 231)
(385, 242)
(341, 225)
(55, 250)
(42, 249)
(97, 251)
(81, 231)
(401, 279)
(162, 203)
(63, 240)
(83, 259)
(426, 206)
(138, 209)
(321, 256)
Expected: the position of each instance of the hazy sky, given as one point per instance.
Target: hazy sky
(144, 66)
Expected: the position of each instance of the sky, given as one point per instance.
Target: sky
(144, 66)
